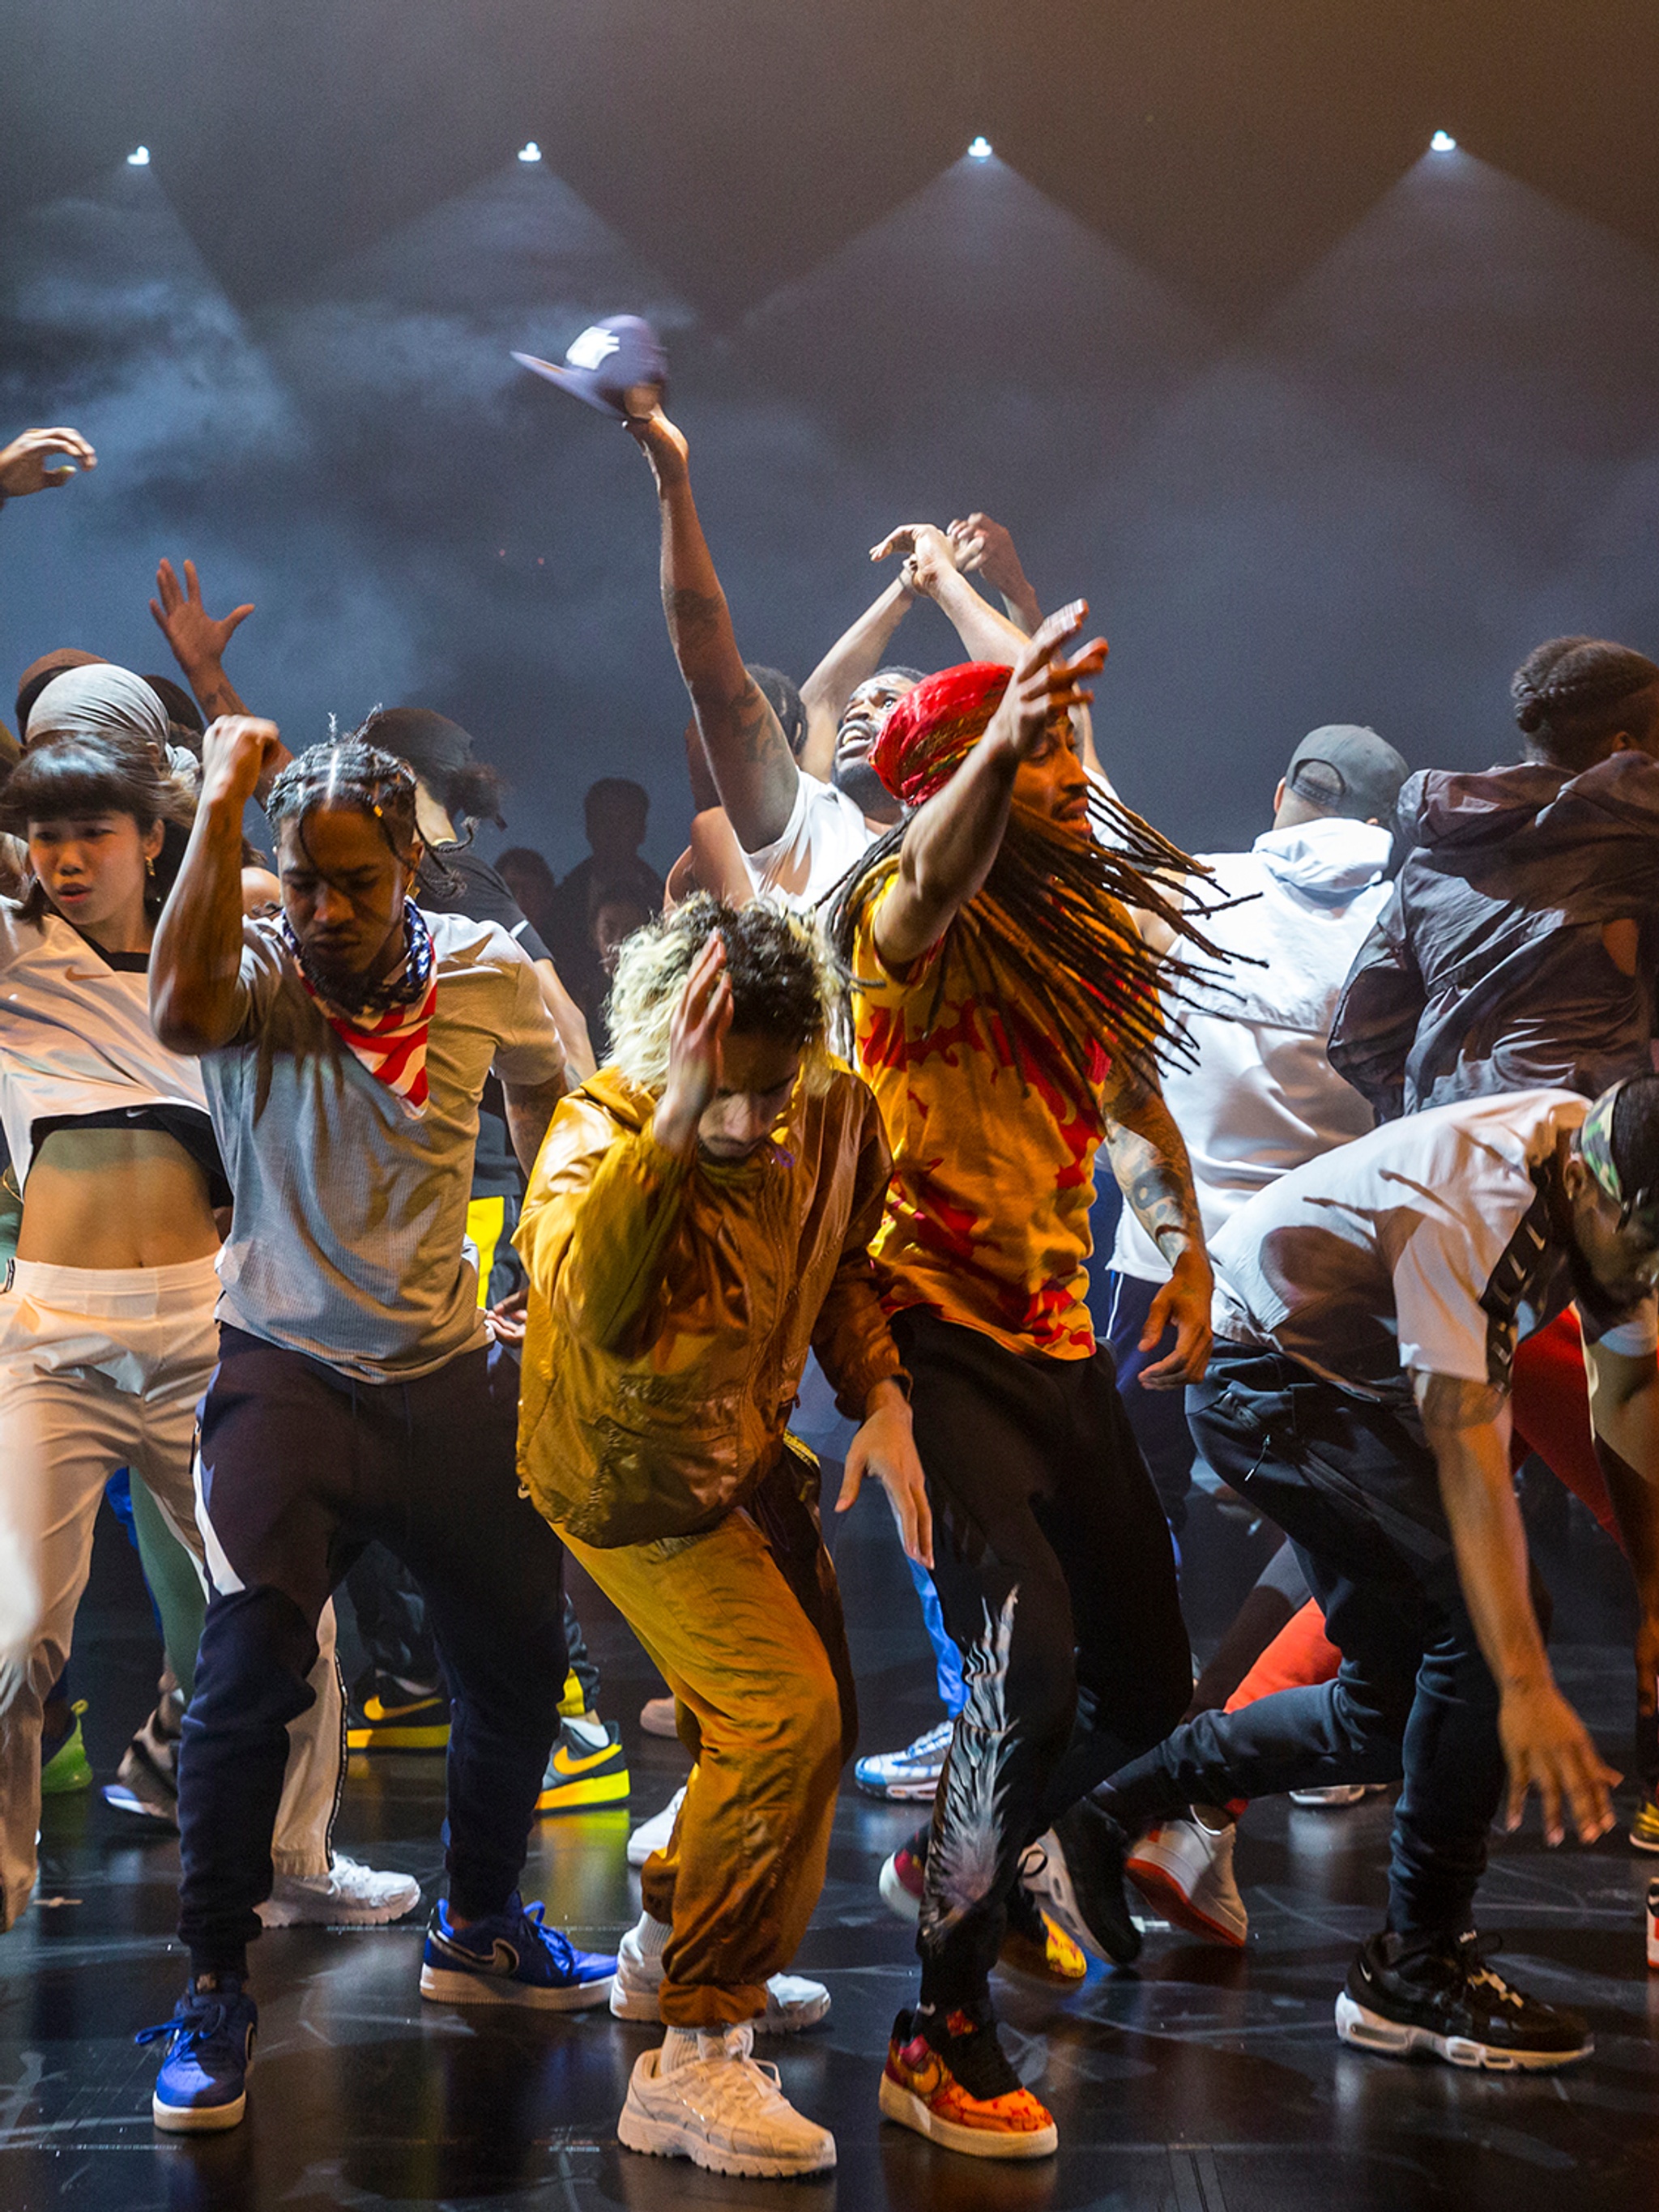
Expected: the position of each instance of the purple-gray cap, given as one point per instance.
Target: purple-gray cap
(618, 366)
(1347, 770)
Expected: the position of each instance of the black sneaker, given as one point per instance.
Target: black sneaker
(388, 1715)
(1441, 1995)
(1076, 1871)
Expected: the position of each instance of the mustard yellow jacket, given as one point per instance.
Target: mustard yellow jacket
(672, 1303)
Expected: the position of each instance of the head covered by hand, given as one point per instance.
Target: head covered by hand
(1053, 916)
(99, 701)
(930, 732)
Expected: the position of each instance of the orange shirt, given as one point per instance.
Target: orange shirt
(987, 1221)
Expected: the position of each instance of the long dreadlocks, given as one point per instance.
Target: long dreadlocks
(1052, 917)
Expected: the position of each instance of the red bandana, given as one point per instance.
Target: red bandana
(390, 1046)
(931, 730)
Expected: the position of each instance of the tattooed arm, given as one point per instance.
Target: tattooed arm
(754, 771)
(1150, 1162)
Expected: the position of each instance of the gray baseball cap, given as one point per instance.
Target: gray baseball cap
(1345, 768)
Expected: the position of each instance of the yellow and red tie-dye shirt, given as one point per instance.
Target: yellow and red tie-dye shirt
(986, 1221)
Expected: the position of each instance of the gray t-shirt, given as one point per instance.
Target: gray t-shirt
(349, 1214)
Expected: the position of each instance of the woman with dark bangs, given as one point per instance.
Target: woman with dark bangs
(107, 1336)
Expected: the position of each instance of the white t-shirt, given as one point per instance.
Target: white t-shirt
(825, 834)
(74, 1035)
(1427, 1247)
(1262, 1096)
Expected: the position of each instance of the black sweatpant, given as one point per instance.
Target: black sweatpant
(1354, 1486)
(1056, 1575)
(302, 1467)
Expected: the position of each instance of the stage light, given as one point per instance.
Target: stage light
(1442, 142)
(139, 158)
(530, 151)
(979, 150)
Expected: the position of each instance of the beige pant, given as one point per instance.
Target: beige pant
(101, 1369)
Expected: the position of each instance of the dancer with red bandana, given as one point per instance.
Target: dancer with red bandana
(1009, 1020)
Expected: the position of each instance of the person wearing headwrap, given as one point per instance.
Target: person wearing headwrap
(98, 700)
(1011, 1019)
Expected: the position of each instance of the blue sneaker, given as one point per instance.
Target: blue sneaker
(203, 2084)
(908, 1775)
(511, 1958)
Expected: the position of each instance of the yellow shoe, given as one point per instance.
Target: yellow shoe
(1644, 1829)
(392, 1718)
(1047, 1955)
(588, 1767)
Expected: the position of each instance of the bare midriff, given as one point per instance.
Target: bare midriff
(115, 1198)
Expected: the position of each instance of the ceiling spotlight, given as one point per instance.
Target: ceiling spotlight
(979, 150)
(1442, 142)
(530, 151)
(139, 158)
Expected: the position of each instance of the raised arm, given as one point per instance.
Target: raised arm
(853, 657)
(1149, 1159)
(754, 770)
(1543, 1740)
(930, 569)
(196, 998)
(952, 841)
(986, 548)
(197, 640)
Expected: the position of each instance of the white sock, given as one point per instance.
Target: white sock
(652, 1936)
(679, 2048)
(593, 1733)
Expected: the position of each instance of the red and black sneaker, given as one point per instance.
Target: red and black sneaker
(949, 2078)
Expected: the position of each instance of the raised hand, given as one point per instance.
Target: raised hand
(929, 555)
(23, 463)
(986, 548)
(1046, 684)
(238, 751)
(197, 639)
(696, 1034)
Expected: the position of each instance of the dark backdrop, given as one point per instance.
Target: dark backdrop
(1325, 425)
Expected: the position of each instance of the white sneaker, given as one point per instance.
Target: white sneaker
(1338, 1794)
(792, 2002)
(347, 1896)
(1186, 1869)
(722, 2110)
(652, 1835)
(909, 1775)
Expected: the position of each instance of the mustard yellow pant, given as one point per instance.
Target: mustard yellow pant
(762, 1711)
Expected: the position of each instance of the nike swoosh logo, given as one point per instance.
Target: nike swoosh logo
(563, 1763)
(374, 1710)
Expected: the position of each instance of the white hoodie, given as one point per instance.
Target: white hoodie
(1262, 1097)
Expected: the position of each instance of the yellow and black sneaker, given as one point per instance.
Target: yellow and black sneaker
(588, 1768)
(1644, 1827)
(388, 1715)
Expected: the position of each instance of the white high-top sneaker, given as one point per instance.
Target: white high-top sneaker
(348, 1896)
(1187, 1870)
(792, 2002)
(652, 1835)
(723, 2109)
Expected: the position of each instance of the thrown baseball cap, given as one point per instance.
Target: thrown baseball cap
(1347, 770)
(618, 366)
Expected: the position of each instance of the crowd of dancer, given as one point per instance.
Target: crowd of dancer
(373, 1226)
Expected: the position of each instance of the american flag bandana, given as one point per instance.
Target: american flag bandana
(387, 1032)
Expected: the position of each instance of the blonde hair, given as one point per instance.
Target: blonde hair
(784, 984)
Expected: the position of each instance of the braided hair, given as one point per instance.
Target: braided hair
(348, 773)
(1573, 694)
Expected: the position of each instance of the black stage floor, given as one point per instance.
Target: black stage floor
(1199, 2081)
